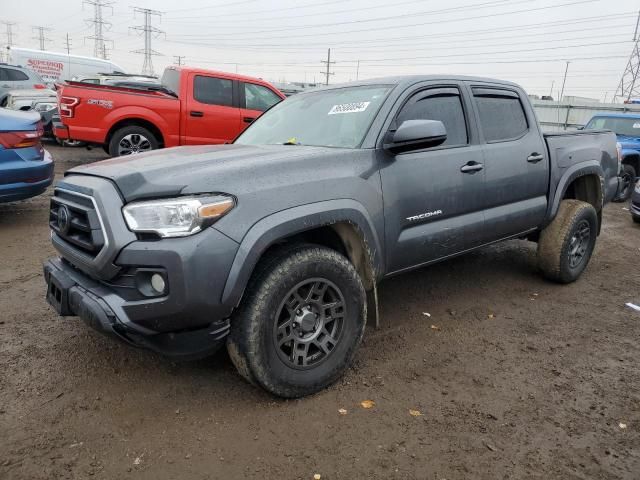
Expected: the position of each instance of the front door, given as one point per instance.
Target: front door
(255, 99)
(212, 113)
(432, 197)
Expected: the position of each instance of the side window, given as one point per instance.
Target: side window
(16, 75)
(501, 113)
(214, 91)
(3, 74)
(258, 97)
(443, 104)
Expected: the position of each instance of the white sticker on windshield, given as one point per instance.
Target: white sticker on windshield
(636, 125)
(353, 107)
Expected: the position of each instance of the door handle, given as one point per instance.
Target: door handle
(248, 119)
(535, 157)
(471, 167)
(195, 113)
(6, 86)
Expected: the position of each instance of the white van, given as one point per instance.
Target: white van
(55, 67)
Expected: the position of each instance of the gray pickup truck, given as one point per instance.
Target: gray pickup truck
(274, 245)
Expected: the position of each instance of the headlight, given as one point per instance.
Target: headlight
(44, 107)
(176, 217)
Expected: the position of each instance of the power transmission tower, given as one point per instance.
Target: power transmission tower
(41, 37)
(328, 71)
(178, 59)
(99, 26)
(629, 86)
(149, 32)
(9, 29)
(67, 44)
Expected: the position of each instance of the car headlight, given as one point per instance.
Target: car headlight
(44, 107)
(176, 217)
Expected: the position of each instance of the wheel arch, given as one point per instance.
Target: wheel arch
(632, 159)
(581, 182)
(343, 225)
(139, 122)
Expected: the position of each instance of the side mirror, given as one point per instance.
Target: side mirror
(417, 134)
(580, 128)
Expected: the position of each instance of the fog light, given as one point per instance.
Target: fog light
(158, 283)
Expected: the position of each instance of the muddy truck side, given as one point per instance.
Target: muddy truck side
(274, 245)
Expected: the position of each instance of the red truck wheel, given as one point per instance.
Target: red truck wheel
(131, 140)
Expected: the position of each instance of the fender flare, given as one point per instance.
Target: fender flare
(131, 113)
(572, 173)
(285, 223)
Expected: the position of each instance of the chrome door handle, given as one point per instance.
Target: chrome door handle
(471, 167)
(534, 158)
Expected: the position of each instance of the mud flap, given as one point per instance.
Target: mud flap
(372, 306)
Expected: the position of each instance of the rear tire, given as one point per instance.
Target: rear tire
(629, 179)
(131, 140)
(566, 244)
(300, 323)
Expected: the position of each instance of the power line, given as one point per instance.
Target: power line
(99, 26)
(244, 13)
(349, 32)
(149, 32)
(628, 87)
(328, 63)
(178, 59)
(42, 39)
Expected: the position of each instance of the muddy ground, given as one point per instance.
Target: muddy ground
(514, 377)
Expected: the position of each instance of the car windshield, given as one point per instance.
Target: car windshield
(329, 118)
(628, 127)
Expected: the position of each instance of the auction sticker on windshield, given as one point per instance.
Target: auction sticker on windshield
(353, 107)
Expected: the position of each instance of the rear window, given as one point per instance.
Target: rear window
(171, 80)
(16, 75)
(213, 91)
(502, 116)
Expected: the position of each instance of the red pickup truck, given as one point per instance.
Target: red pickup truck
(189, 107)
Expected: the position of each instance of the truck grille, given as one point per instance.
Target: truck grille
(75, 220)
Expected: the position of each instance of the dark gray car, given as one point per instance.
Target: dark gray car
(273, 244)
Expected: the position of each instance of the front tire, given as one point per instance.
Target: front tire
(131, 140)
(566, 244)
(300, 323)
(628, 183)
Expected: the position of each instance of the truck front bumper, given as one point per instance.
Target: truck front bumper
(73, 293)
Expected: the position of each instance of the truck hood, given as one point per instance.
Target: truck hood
(205, 169)
(631, 143)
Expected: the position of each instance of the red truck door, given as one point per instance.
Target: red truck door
(255, 99)
(212, 113)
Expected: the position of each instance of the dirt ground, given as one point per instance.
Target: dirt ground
(514, 377)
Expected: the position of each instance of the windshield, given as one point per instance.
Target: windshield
(329, 118)
(171, 80)
(628, 127)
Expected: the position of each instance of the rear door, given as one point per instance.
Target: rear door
(515, 160)
(212, 115)
(255, 99)
(432, 196)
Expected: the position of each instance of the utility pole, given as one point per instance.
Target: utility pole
(628, 86)
(328, 62)
(67, 44)
(551, 90)
(99, 26)
(149, 32)
(9, 30)
(178, 59)
(41, 37)
(357, 70)
(564, 80)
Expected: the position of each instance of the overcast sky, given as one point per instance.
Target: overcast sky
(527, 41)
